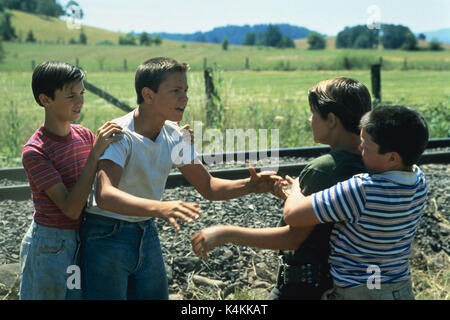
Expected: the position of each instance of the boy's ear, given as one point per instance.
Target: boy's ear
(147, 94)
(331, 119)
(394, 160)
(44, 99)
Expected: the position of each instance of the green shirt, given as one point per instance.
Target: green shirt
(322, 173)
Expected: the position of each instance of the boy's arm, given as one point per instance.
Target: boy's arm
(212, 188)
(72, 202)
(279, 238)
(298, 209)
(110, 197)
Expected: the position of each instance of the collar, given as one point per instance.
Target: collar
(408, 178)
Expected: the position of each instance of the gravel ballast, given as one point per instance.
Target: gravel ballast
(232, 266)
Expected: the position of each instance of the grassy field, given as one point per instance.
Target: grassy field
(258, 100)
(53, 30)
(94, 58)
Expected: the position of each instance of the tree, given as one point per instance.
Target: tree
(157, 40)
(225, 44)
(435, 45)
(358, 37)
(144, 39)
(46, 7)
(49, 8)
(286, 42)
(362, 42)
(316, 41)
(7, 32)
(127, 40)
(395, 36)
(30, 37)
(250, 39)
(2, 53)
(410, 42)
(422, 36)
(272, 36)
(83, 37)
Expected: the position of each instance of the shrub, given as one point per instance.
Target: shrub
(435, 46)
(316, 41)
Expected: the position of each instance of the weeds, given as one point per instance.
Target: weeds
(11, 137)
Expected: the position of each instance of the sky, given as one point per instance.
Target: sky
(325, 16)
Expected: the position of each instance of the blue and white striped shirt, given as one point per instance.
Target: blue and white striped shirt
(376, 219)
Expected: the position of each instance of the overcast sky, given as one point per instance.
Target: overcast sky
(325, 16)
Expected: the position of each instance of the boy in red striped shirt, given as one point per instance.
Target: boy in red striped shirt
(60, 159)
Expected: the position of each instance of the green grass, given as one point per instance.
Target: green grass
(257, 100)
(94, 58)
(53, 30)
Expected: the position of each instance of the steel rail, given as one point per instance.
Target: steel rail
(22, 192)
(19, 174)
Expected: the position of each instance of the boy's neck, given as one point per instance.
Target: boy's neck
(345, 141)
(147, 125)
(59, 128)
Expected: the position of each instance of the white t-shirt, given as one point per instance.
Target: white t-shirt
(146, 164)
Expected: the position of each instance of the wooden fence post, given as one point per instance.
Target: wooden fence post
(125, 66)
(33, 65)
(246, 63)
(375, 72)
(213, 103)
(105, 95)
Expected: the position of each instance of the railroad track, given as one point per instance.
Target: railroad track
(22, 191)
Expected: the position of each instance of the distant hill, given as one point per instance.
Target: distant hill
(54, 30)
(235, 34)
(442, 35)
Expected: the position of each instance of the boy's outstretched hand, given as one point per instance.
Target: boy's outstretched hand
(173, 210)
(207, 239)
(264, 181)
(104, 138)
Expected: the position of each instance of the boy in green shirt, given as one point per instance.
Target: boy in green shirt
(337, 106)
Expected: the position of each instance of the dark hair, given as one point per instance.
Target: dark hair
(50, 76)
(346, 98)
(153, 72)
(397, 129)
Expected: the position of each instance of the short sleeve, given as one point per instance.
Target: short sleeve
(312, 180)
(345, 201)
(118, 151)
(40, 170)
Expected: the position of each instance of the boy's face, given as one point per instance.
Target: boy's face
(374, 161)
(68, 102)
(171, 99)
(319, 127)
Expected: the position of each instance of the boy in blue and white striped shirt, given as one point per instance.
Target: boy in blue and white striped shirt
(376, 213)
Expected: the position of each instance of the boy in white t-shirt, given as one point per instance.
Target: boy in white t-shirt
(121, 252)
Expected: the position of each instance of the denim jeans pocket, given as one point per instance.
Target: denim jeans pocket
(94, 231)
(50, 246)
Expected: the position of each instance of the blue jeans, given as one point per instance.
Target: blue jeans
(388, 291)
(45, 257)
(121, 260)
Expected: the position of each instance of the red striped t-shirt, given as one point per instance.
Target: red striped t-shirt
(49, 159)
